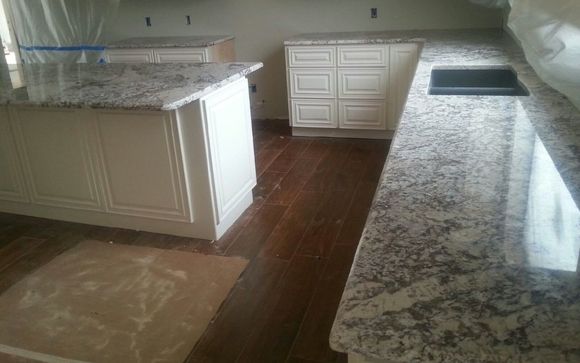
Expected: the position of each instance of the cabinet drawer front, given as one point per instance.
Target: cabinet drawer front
(314, 113)
(310, 56)
(130, 56)
(180, 55)
(362, 115)
(363, 56)
(362, 83)
(312, 83)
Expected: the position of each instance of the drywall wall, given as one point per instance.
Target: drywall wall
(260, 27)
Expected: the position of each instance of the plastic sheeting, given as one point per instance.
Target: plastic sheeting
(549, 33)
(62, 31)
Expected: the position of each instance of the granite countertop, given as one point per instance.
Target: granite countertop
(171, 42)
(120, 86)
(378, 37)
(470, 251)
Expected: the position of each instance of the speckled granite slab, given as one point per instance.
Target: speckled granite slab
(121, 86)
(470, 252)
(383, 37)
(171, 42)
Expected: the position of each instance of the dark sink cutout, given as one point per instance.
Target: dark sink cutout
(480, 81)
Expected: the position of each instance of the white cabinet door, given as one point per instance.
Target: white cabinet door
(229, 133)
(129, 56)
(362, 83)
(314, 113)
(11, 182)
(141, 165)
(181, 55)
(363, 56)
(57, 160)
(403, 64)
(362, 114)
(310, 56)
(312, 83)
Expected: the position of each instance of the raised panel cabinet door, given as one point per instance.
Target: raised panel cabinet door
(310, 56)
(363, 56)
(57, 159)
(129, 56)
(362, 114)
(11, 182)
(141, 165)
(314, 113)
(362, 83)
(312, 83)
(404, 58)
(181, 55)
(227, 120)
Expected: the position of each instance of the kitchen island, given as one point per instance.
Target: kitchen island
(471, 248)
(163, 148)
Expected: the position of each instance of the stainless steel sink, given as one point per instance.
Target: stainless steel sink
(476, 80)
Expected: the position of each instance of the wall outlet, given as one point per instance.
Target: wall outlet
(187, 20)
(374, 13)
(148, 21)
(253, 88)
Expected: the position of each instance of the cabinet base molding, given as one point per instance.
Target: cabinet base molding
(344, 133)
(128, 222)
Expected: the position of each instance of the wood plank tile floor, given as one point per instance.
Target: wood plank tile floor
(300, 234)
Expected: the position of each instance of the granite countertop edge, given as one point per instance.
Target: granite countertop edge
(169, 42)
(116, 88)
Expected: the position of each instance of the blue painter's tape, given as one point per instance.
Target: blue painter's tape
(78, 48)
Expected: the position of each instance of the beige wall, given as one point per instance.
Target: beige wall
(260, 26)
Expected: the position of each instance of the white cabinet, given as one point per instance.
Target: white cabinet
(11, 181)
(130, 56)
(186, 172)
(363, 114)
(221, 52)
(362, 83)
(321, 113)
(348, 90)
(297, 57)
(363, 56)
(229, 130)
(181, 55)
(312, 83)
(141, 165)
(403, 60)
(57, 158)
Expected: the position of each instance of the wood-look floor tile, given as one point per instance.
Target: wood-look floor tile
(293, 183)
(312, 340)
(227, 334)
(251, 239)
(326, 225)
(275, 331)
(287, 235)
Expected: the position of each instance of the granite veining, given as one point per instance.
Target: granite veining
(120, 86)
(170, 42)
(345, 38)
(471, 249)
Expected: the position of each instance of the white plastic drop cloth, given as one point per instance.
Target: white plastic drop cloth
(549, 33)
(62, 31)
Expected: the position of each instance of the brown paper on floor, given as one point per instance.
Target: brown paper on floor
(100, 302)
